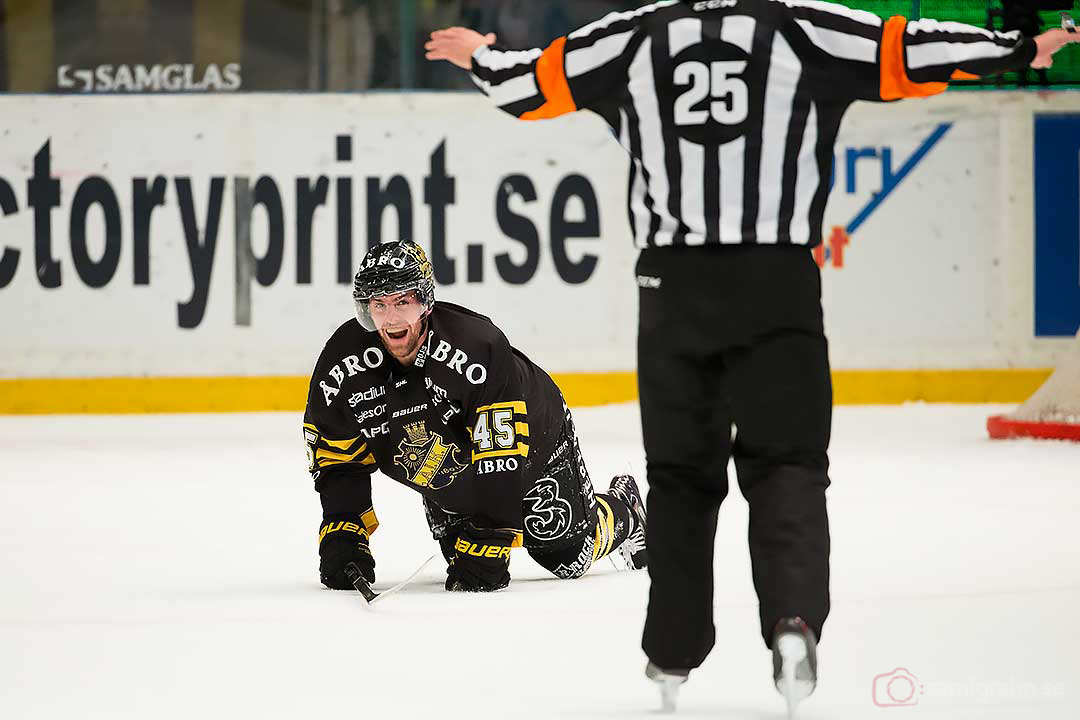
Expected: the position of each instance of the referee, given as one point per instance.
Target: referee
(729, 110)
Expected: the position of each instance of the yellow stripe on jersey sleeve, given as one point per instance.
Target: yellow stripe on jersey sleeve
(324, 452)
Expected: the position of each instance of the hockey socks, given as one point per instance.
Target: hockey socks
(613, 524)
(619, 527)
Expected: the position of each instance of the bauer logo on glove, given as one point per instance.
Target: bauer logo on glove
(487, 551)
(343, 541)
(481, 559)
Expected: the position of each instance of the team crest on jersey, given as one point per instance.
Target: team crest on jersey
(429, 461)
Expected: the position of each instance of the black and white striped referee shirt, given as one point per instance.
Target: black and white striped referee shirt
(729, 109)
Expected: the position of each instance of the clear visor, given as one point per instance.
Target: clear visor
(390, 311)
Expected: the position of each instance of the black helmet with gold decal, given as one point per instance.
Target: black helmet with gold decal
(392, 268)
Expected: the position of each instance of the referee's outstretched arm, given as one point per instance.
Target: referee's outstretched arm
(853, 53)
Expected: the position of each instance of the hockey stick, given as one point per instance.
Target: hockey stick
(406, 581)
(370, 596)
(352, 571)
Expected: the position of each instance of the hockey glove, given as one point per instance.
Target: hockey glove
(481, 559)
(343, 540)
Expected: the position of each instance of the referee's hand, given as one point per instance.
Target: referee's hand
(456, 44)
(1049, 43)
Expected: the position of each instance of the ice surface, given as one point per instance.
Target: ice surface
(165, 567)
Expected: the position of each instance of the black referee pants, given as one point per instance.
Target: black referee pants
(732, 336)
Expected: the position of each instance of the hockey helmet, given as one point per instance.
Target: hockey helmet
(393, 268)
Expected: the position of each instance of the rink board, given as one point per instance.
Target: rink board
(200, 250)
(286, 393)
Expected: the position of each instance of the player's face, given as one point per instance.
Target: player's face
(400, 322)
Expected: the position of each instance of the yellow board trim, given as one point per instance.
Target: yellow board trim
(892, 387)
(116, 395)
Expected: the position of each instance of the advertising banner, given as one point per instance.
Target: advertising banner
(1057, 224)
(200, 236)
(219, 236)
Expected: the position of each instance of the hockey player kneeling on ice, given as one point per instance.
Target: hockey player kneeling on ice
(434, 396)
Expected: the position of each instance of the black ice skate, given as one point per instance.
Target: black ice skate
(632, 549)
(794, 661)
(669, 682)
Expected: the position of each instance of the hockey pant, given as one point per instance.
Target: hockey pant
(567, 525)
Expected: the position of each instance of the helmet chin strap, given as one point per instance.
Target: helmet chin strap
(422, 335)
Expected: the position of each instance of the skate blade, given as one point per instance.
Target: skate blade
(792, 649)
(628, 563)
(669, 686)
(669, 693)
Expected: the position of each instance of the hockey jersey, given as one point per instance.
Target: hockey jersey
(467, 425)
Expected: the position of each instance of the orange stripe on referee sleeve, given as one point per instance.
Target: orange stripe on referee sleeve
(551, 77)
(895, 83)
